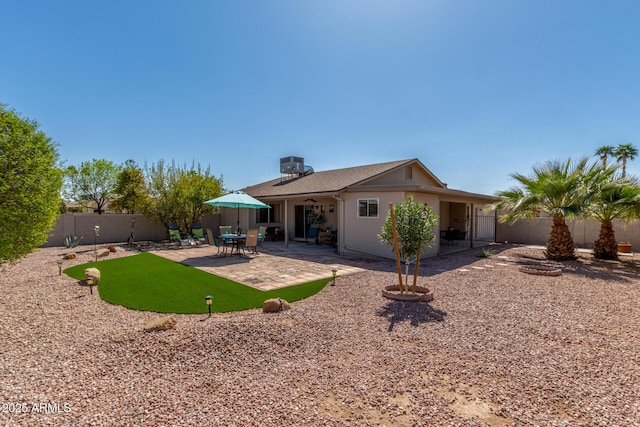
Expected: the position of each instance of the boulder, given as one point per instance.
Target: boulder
(111, 248)
(70, 255)
(160, 324)
(274, 305)
(92, 274)
(102, 252)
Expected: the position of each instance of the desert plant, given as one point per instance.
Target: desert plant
(486, 253)
(411, 226)
(71, 240)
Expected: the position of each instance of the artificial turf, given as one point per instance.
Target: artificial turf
(152, 283)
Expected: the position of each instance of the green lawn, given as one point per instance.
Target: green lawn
(152, 283)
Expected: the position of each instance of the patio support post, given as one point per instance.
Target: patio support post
(286, 223)
(472, 227)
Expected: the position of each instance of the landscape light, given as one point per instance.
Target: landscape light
(208, 299)
(59, 262)
(96, 232)
(334, 272)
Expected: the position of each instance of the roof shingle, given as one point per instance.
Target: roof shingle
(322, 182)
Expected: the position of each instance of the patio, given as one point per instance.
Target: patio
(274, 266)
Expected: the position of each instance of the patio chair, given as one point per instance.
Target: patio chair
(225, 229)
(251, 241)
(262, 233)
(174, 232)
(198, 233)
(215, 242)
(313, 233)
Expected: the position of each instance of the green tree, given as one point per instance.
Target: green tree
(604, 153)
(559, 189)
(30, 184)
(624, 152)
(178, 193)
(132, 193)
(611, 198)
(414, 224)
(95, 181)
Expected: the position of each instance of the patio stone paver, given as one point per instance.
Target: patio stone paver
(274, 266)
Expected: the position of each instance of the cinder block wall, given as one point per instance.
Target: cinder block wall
(114, 228)
(584, 232)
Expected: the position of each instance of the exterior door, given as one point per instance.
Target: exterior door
(301, 212)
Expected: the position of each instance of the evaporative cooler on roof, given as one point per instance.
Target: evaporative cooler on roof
(292, 165)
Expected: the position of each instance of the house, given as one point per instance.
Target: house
(355, 203)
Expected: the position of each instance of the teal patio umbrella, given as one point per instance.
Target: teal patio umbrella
(237, 199)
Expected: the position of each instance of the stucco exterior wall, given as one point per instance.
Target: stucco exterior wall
(363, 232)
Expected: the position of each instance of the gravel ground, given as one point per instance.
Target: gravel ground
(496, 347)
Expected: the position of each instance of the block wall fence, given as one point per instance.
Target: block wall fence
(584, 232)
(114, 228)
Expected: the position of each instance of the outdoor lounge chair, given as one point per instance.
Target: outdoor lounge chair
(198, 233)
(174, 232)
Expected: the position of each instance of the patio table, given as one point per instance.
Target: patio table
(236, 241)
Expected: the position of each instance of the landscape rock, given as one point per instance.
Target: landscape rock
(102, 252)
(71, 255)
(160, 324)
(111, 248)
(274, 305)
(92, 274)
(498, 347)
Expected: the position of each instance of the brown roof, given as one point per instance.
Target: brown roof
(330, 181)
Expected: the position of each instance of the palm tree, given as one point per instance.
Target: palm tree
(555, 188)
(623, 153)
(604, 152)
(611, 198)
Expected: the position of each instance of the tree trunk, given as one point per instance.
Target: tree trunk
(415, 273)
(131, 236)
(606, 246)
(560, 245)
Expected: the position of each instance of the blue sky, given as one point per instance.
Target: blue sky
(475, 89)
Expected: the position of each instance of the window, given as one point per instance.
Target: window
(265, 215)
(368, 208)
